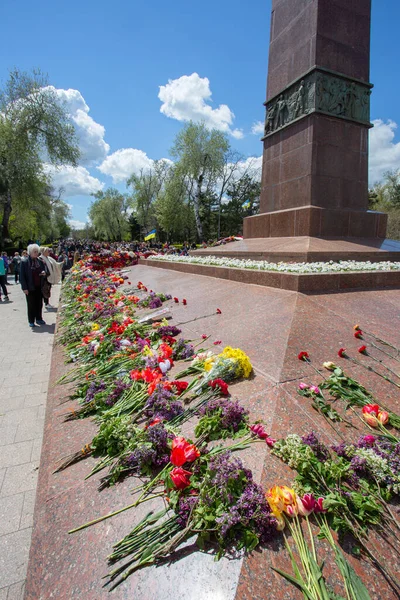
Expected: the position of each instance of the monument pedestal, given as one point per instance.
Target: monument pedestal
(314, 188)
(307, 249)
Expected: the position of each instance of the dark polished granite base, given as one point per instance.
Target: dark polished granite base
(272, 326)
(307, 282)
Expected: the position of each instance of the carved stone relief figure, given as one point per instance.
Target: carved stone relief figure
(318, 91)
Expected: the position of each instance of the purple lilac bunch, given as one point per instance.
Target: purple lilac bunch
(186, 504)
(251, 509)
(117, 392)
(159, 438)
(152, 453)
(93, 389)
(320, 451)
(344, 450)
(171, 330)
(227, 469)
(154, 301)
(233, 415)
(162, 403)
(141, 459)
(182, 350)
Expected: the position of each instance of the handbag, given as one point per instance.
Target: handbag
(46, 289)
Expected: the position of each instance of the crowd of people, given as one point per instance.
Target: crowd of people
(38, 268)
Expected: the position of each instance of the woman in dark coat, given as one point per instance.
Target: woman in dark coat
(31, 279)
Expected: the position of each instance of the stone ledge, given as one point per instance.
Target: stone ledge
(304, 282)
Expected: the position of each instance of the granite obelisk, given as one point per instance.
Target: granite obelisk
(314, 196)
(315, 160)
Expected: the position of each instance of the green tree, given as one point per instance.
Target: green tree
(34, 129)
(246, 189)
(173, 212)
(109, 215)
(200, 159)
(146, 186)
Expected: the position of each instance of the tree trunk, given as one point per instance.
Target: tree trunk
(196, 206)
(5, 234)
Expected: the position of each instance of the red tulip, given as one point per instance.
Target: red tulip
(204, 336)
(306, 504)
(303, 356)
(217, 342)
(180, 478)
(259, 431)
(342, 353)
(383, 417)
(184, 301)
(319, 506)
(370, 414)
(176, 300)
(183, 452)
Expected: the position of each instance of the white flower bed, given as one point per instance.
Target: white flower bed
(283, 267)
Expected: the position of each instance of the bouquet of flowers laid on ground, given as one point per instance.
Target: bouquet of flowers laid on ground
(290, 509)
(353, 393)
(217, 501)
(230, 364)
(356, 480)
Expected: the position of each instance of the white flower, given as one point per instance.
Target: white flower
(165, 366)
(282, 267)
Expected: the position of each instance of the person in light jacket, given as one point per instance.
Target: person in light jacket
(53, 274)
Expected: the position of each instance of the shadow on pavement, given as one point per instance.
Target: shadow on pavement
(44, 328)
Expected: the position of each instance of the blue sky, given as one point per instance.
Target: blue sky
(112, 58)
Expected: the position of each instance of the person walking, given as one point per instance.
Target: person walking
(16, 261)
(3, 279)
(53, 274)
(6, 265)
(31, 276)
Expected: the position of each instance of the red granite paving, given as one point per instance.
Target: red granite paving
(272, 326)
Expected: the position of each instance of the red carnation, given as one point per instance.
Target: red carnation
(204, 336)
(219, 311)
(217, 342)
(223, 386)
(358, 333)
(303, 356)
(180, 478)
(362, 349)
(342, 353)
(176, 300)
(180, 386)
(184, 301)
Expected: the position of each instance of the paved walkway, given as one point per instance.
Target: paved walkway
(25, 357)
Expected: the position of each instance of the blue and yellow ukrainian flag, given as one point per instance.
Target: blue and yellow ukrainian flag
(150, 235)
(246, 204)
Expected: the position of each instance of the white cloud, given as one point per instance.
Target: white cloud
(90, 134)
(123, 163)
(77, 224)
(120, 165)
(75, 181)
(384, 153)
(257, 128)
(185, 99)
